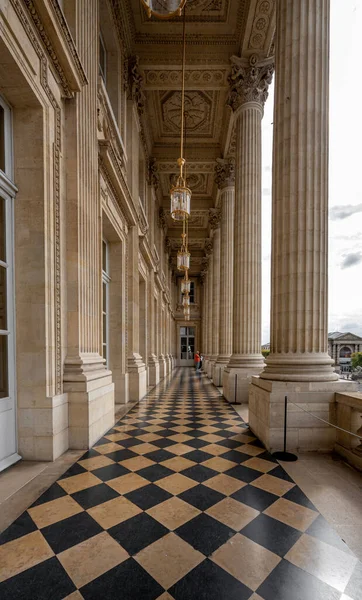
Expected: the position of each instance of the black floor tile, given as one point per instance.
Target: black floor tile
(128, 581)
(237, 457)
(226, 434)
(75, 469)
(129, 442)
(205, 533)
(110, 472)
(279, 472)
(148, 496)
(94, 495)
(138, 533)
(243, 473)
(321, 530)
(287, 582)
(22, 526)
(165, 433)
(53, 493)
(90, 453)
(198, 456)
(196, 433)
(272, 534)
(201, 497)
(296, 495)
(254, 497)
(229, 444)
(45, 581)
(164, 443)
(155, 472)
(121, 454)
(196, 443)
(71, 531)
(199, 473)
(158, 455)
(209, 582)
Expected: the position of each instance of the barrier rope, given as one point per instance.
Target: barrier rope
(327, 422)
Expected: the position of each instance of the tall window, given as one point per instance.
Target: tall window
(187, 341)
(102, 58)
(106, 279)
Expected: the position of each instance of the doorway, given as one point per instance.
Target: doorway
(187, 346)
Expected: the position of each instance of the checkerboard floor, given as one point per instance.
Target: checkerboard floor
(178, 501)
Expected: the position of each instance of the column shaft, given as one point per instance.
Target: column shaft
(299, 345)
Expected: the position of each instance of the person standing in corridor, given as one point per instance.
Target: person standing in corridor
(197, 362)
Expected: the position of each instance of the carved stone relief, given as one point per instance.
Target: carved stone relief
(198, 112)
(214, 218)
(224, 172)
(249, 81)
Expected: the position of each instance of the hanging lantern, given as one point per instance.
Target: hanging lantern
(164, 9)
(185, 285)
(186, 300)
(183, 256)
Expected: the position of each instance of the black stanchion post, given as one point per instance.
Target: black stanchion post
(236, 387)
(284, 455)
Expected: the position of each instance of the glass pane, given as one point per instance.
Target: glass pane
(2, 139)
(4, 382)
(2, 230)
(3, 319)
(183, 330)
(191, 331)
(104, 257)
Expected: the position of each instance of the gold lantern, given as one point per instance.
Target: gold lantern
(186, 300)
(185, 285)
(163, 9)
(183, 255)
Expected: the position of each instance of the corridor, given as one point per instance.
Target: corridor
(177, 501)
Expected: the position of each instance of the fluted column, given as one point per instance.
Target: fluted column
(225, 179)
(214, 220)
(210, 286)
(299, 339)
(249, 84)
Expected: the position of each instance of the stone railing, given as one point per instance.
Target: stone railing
(349, 417)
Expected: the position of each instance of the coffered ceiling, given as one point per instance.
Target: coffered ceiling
(215, 31)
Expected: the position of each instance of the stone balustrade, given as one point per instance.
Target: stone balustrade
(349, 417)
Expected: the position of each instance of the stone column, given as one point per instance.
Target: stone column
(161, 321)
(214, 220)
(249, 89)
(153, 364)
(299, 365)
(210, 286)
(225, 180)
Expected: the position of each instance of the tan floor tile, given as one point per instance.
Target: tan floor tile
(233, 513)
(148, 437)
(79, 482)
(23, 553)
(54, 511)
(257, 597)
(272, 484)
(136, 463)
(180, 449)
(292, 514)
(250, 449)
(173, 513)
(247, 561)
(144, 448)
(211, 438)
(243, 438)
(238, 429)
(113, 512)
(215, 449)
(165, 596)
(259, 464)
(225, 484)
(327, 563)
(125, 428)
(181, 429)
(178, 463)
(96, 462)
(230, 422)
(107, 448)
(176, 484)
(153, 428)
(90, 559)
(209, 429)
(75, 596)
(127, 483)
(117, 437)
(169, 559)
(180, 437)
(219, 464)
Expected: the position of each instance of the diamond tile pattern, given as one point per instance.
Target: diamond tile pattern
(177, 501)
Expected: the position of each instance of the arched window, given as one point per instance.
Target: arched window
(345, 352)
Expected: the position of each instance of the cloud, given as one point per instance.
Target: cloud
(342, 212)
(351, 259)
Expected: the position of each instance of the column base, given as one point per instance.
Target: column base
(304, 432)
(210, 365)
(122, 389)
(137, 377)
(162, 363)
(218, 370)
(236, 382)
(299, 367)
(168, 364)
(90, 392)
(153, 370)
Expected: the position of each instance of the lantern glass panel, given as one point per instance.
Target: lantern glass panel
(183, 260)
(186, 300)
(180, 203)
(185, 286)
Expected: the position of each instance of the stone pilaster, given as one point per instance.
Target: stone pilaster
(249, 82)
(153, 364)
(210, 287)
(214, 220)
(225, 179)
(87, 381)
(299, 365)
(161, 357)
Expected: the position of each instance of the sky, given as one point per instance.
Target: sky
(345, 171)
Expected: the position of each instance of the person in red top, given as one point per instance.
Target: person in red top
(197, 361)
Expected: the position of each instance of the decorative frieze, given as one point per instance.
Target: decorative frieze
(136, 83)
(249, 81)
(153, 177)
(208, 246)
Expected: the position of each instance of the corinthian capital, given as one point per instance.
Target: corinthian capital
(249, 81)
(136, 83)
(214, 217)
(224, 172)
